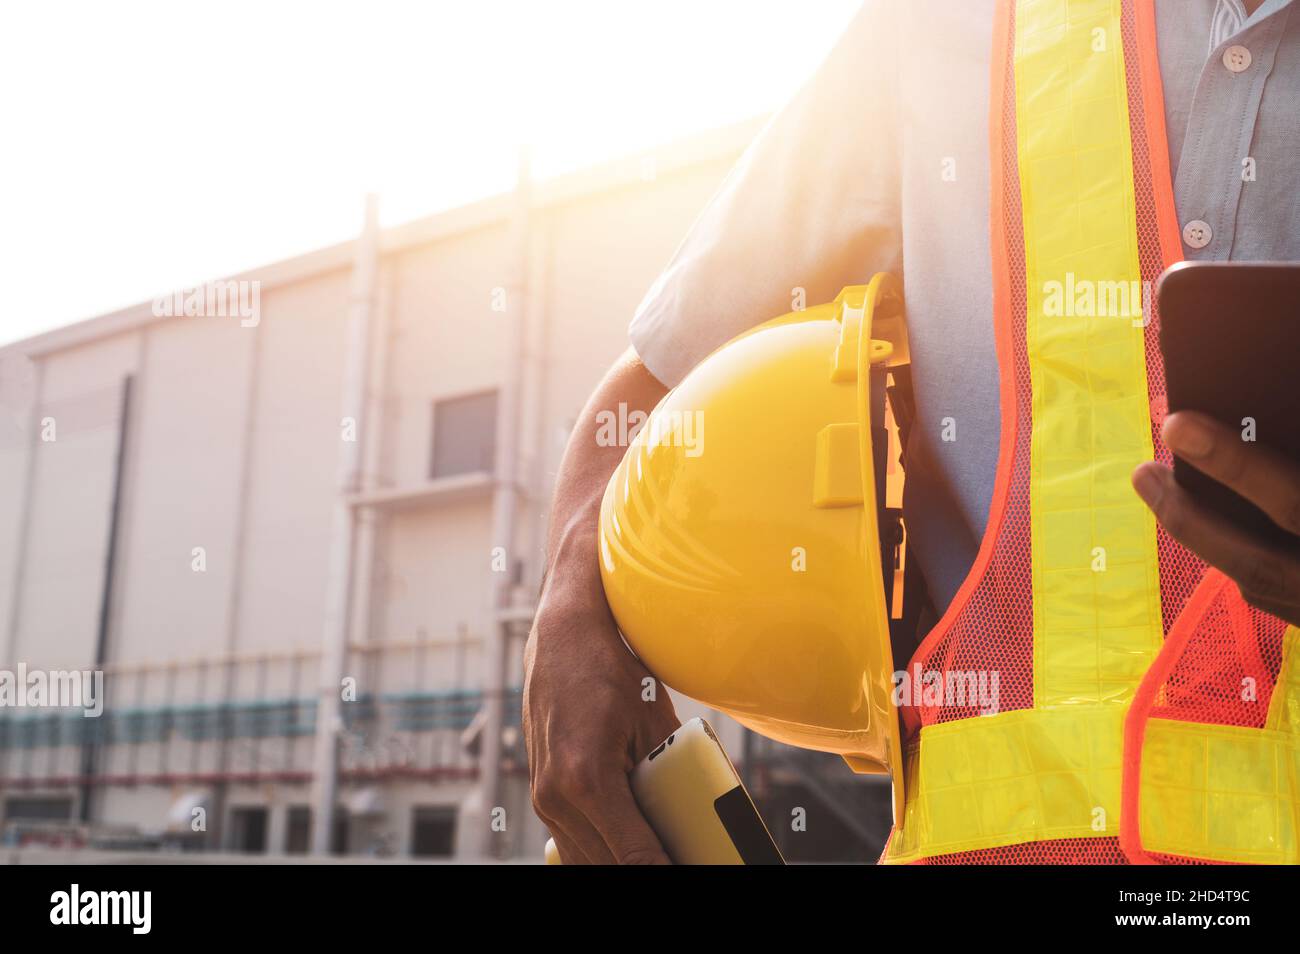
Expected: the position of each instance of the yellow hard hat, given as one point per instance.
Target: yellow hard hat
(739, 545)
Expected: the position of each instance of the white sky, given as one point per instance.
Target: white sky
(150, 146)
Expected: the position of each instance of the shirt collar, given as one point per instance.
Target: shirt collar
(1230, 18)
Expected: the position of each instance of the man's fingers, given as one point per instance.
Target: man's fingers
(586, 841)
(570, 853)
(1263, 575)
(627, 834)
(575, 838)
(577, 841)
(1269, 481)
(601, 825)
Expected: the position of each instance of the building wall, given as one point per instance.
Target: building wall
(233, 443)
(293, 454)
(57, 582)
(185, 444)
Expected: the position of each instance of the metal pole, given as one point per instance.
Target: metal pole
(505, 504)
(10, 654)
(234, 600)
(90, 750)
(339, 582)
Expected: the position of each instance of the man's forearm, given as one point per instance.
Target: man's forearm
(586, 720)
(585, 470)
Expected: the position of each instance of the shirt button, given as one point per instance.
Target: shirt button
(1197, 234)
(1236, 59)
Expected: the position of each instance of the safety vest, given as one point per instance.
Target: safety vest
(1145, 712)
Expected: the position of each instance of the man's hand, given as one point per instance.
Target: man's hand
(587, 724)
(1269, 579)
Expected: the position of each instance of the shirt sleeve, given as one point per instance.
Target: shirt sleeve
(812, 205)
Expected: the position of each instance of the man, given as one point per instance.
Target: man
(881, 164)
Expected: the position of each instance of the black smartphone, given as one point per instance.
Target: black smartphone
(1230, 336)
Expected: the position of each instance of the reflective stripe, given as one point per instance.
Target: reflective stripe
(1220, 792)
(1027, 775)
(1284, 706)
(1097, 622)
(1224, 792)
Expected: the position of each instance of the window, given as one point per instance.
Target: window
(248, 830)
(433, 832)
(341, 834)
(297, 835)
(38, 809)
(464, 435)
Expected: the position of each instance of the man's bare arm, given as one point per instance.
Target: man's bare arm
(586, 719)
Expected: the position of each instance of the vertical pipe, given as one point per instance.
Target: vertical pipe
(25, 521)
(339, 582)
(505, 505)
(169, 721)
(259, 716)
(372, 422)
(198, 719)
(9, 648)
(139, 717)
(238, 549)
(536, 426)
(225, 732)
(291, 737)
(89, 750)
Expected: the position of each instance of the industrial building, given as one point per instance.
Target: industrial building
(301, 536)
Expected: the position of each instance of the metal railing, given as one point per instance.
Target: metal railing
(406, 707)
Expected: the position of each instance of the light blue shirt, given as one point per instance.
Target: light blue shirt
(881, 163)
